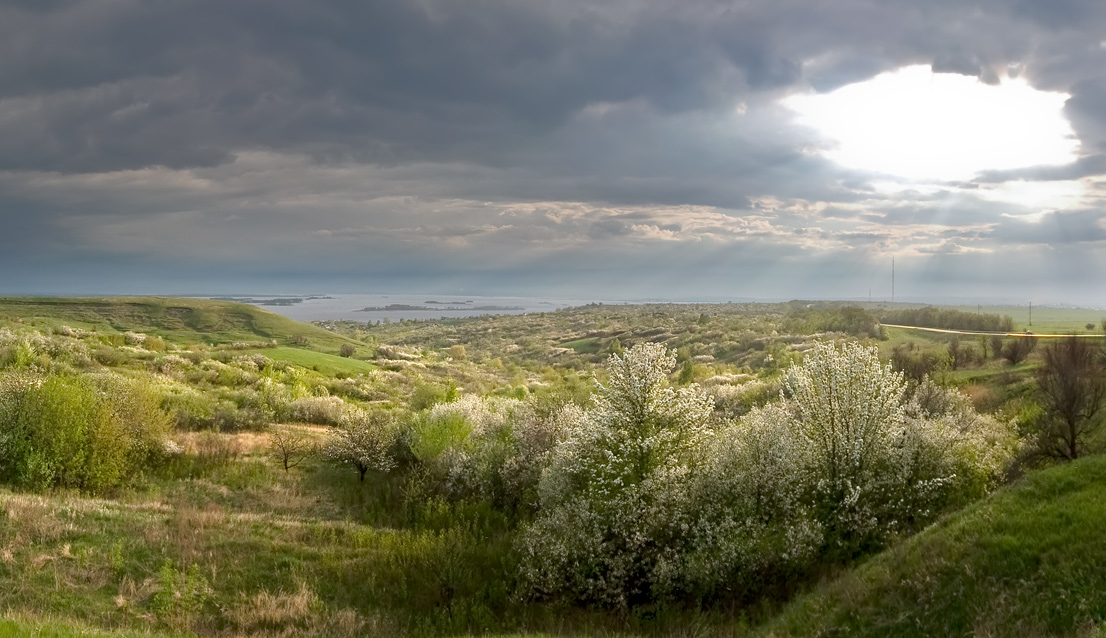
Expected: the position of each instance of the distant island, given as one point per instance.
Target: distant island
(407, 307)
(276, 301)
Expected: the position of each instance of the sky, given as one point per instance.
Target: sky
(623, 149)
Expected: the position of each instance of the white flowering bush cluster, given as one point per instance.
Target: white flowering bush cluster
(876, 460)
(33, 349)
(648, 497)
(737, 399)
(170, 365)
(321, 410)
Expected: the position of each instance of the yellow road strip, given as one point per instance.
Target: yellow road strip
(998, 334)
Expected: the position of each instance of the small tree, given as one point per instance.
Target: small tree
(1072, 385)
(347, 350)
(363, 440)
(956, 354)
(996, 346)
(1018, 349)
(289, 445)
(687, 372)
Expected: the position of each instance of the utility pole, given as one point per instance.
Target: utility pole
(892, 280)
(1031, 314)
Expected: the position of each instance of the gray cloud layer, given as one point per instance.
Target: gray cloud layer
(606, 148)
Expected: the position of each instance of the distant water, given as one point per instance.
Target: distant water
(396, 307)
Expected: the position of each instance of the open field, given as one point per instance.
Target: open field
(1047, 318)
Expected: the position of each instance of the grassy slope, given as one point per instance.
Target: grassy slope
(325, 363)
(179, 320)
(1029, 561)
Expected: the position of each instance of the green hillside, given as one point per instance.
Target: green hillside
(178, 320)
(1030, 561)
(209, 531)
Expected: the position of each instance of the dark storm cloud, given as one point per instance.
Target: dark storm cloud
(129, 83)
(501, 139)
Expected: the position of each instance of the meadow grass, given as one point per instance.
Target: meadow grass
(1047, 318)
(13, 628)
(328, 364)
(587, 345)
(234, 545)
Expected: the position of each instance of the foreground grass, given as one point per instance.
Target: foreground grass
(239, 547)
(1029, 561)
(61, 629)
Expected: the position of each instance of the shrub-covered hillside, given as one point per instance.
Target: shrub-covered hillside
(626, 469)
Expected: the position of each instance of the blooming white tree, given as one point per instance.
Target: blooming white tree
(848, 416)
(613, 498)
(876, 460)
(364, 440)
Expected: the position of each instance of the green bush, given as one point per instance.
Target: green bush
(76, 431)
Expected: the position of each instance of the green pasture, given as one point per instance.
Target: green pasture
(328, 364)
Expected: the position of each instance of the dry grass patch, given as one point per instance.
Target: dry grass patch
(222, 444)
(31, 520)
(299, 613)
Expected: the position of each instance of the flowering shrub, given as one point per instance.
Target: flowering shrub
(645, 500)
(878, 460)
(753, 526)
(614, 509)
(320, 410)
(737, 399)
(848, 421)
(170, 365)
(483, 447)
(364, 440)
